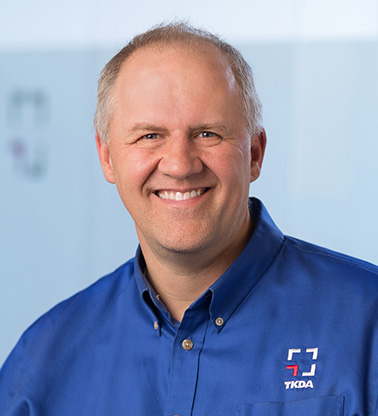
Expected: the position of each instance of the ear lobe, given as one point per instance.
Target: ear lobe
(258, 145)
(105, 159)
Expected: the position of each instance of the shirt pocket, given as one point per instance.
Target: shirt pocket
(316, 406)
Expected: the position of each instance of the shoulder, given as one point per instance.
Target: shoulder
(107, 286)
(326, 255)
(328, 266)
(55, 340)
(81, 312)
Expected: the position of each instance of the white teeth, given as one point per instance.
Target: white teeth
(179, 196)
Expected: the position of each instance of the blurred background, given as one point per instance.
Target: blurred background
(62, 226)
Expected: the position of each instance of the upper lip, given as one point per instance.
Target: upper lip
(182, 190)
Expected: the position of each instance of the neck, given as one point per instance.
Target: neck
(182, 277)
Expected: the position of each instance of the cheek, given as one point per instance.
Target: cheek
(233, 165)
(133, 168)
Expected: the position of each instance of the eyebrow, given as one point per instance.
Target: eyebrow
(152, 127)
(144, 126)
(212, 126)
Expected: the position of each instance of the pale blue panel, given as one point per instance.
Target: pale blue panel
(62, 226)
(272, 68)
(46, 158)
(333, 170)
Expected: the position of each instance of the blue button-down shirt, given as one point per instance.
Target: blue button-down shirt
(289, 329)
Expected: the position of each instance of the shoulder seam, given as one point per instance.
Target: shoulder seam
(344, 258)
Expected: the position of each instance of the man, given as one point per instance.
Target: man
(219, 313)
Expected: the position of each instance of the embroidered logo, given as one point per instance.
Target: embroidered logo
(310, 367)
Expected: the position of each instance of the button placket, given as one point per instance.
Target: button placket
(186, 350)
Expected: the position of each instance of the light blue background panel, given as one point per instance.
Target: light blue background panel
(62, 226)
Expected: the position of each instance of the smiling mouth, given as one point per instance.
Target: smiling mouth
(180, 196)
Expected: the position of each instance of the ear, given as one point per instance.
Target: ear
(105, 159)
(258, 144)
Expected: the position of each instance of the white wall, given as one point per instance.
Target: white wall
(62, 226)
(77, 23)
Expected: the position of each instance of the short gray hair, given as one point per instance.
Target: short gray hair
(169, 34)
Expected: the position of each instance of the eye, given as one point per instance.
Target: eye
(150, 136)
(207, 134)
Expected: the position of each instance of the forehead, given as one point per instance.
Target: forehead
(181, 61)
(176, 85)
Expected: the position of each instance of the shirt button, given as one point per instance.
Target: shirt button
(156, 325)
(187, 344)
(219, 321)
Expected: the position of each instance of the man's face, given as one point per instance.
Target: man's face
(179, 150)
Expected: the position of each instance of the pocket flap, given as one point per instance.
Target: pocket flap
(316, 406)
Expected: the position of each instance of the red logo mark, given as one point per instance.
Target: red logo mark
(294, 368)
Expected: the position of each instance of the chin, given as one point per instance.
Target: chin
(178, 241)
(183, 248)
(184, 245)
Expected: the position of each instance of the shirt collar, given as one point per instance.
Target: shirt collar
(244, 273)
(238, 280)
(148, 293)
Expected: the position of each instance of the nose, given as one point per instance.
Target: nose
(180, 158)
